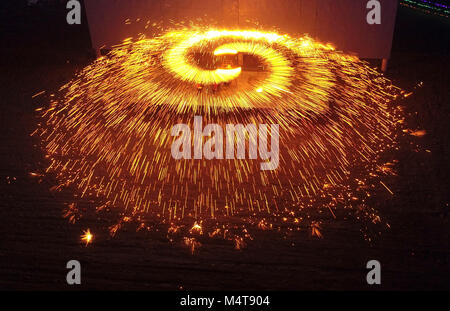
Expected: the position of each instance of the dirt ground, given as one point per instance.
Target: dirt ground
(39, 52)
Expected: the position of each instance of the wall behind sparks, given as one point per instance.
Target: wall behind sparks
(341, 22)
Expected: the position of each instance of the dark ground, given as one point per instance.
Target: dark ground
(40, 52)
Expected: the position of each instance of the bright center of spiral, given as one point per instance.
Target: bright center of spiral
(254, 43)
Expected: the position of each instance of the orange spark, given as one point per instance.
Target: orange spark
(87, 237)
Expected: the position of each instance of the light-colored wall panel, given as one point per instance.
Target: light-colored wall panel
(342, 22)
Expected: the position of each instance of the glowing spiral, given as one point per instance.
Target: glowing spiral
(110, 134)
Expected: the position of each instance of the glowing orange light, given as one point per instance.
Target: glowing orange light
(107, 133)
(225, 52)
(87, 237)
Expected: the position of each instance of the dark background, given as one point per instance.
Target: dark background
(39, 51)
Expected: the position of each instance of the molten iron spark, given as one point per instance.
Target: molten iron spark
(87, 237)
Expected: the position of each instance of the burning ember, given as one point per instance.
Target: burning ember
(87, 237)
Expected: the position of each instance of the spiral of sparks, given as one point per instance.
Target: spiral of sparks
(109, 134)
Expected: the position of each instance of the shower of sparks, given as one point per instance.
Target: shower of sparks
(108, 135)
